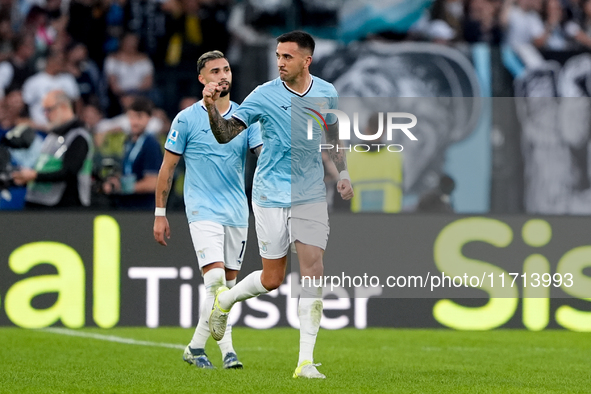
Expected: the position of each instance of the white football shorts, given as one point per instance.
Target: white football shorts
(214, 242)
(278, 227)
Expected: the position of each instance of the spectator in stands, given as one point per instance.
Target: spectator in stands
(92, 116)
(135, 187)
(555, 20)
(89, 16)
(53, 9)
(14, 111)
(62, 175)
(195, 27)
(15, 71)
(147, 19)
(129, 71)
(580, 29)
(85, 71)
(114, 20)
(6, 36)
(52, 78)
(186, 102)
(482, 21)
(14, 116)
(447, 19)
(111, 133)
(525, 25)
(14, 9)
(160, 114)
(37, 22)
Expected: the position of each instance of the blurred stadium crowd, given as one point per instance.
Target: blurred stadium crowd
(104, 53)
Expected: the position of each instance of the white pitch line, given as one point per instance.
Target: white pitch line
(111, 338)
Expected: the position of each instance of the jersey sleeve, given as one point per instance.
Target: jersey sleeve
(254, 136)
(176, 141)
(333, 103)
(250, 109)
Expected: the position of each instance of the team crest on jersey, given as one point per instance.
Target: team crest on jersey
(264, 246)
(201, 253)
(321, 104)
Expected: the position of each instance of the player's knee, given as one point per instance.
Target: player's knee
(272, 281)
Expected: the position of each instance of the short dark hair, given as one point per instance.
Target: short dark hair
(142, 104)
(303, 39)
(208, 56)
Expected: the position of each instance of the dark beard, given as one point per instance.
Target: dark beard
(224, 93)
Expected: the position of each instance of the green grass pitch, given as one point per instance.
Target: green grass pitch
(355, 361)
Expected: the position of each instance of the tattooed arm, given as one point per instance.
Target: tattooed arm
(339, 158)
(163, 185)
(223, 130)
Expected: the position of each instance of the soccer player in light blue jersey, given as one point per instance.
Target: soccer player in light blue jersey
(215, 200)
(287, 195)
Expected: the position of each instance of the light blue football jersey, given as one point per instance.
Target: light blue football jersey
(280, 181)
(214, 177)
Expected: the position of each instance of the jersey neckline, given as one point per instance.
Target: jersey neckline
(300, 94)
(224, 114)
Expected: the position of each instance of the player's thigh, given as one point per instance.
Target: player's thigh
(309, 225)
(272, 231)
(310, 258)
(234, 246)
(208, 241)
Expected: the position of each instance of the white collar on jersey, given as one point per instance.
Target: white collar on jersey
(298, 93)
(223, 115)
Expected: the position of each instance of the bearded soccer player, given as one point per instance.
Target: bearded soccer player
(279, 207)
(215, 200)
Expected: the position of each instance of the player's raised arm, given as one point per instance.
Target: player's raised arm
(165, 176)
(223, 130)
(339, 158)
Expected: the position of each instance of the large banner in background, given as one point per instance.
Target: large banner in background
(554, 111)
(358, 19)
(461, 150)
(81, 270)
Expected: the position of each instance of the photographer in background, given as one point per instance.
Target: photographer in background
(62, 174)
(136, 186)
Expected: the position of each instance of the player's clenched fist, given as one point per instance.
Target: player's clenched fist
(345, 189)
(211, 92)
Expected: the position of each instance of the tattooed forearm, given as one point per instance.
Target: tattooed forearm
(338, 157)
(258, 150)
(223, 130)
(166, 192)
(165, 178)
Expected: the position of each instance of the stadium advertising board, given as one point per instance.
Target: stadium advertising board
(86, 269)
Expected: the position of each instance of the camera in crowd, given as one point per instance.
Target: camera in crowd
(20, 137)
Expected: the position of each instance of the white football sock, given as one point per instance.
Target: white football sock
(212, 279)
(310, 313)
(248, 287)
(226, 342)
